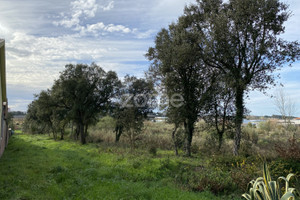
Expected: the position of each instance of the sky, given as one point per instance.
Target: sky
(43, 36)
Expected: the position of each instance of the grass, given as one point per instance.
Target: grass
(36, 167)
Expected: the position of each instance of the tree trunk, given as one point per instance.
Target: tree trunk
(220, 134)
(54, 133)
(189, 129)
(174, 139)
(77, 131)
(119, 131)
(62, 132)
(239, 103)
(82, 134)
(72, 132)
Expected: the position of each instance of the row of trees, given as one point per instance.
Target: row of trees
(215, 54)
(208, 60)
(84, 93)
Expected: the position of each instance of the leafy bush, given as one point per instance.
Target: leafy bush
(281, 167)
(243, 172)
(289, 150)
(199, 178)
(267, 126)
(153, 150)
(106, 123)
(250, 133)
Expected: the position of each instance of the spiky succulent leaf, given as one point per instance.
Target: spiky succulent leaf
(263, 188)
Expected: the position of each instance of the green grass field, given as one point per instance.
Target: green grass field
(36, 167)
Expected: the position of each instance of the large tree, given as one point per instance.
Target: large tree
(135, 101)
(85, 91)
(177, 65)
(240, 39)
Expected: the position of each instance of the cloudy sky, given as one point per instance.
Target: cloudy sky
(43, 36)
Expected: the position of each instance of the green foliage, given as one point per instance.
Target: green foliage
(280, 167)
(153, 150)
(85, 91)
(9, 119)
(267, 126)
(177, 65)
(235, 39)
(79, 95)
(106, 123)
(250, 133)
(263, 188)
(135, 101)
(200, 178)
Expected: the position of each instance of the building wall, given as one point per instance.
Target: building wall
(3, 100)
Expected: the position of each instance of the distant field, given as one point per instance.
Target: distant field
(36, 167)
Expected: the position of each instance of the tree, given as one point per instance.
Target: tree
(35, 122)
(284, 105)
(10, 121)
(240, 39)
(85, 91)
(44, 112)
(220, 110)
(135, 102)
(173, 115)
(177, 65)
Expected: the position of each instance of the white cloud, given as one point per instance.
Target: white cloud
(143, 35)
(100, 27)
(110, 6)
(84, 9)
(79, 9)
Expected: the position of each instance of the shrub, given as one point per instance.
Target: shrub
(210, 145)
(106, 123)
(247, 148)
(136, 164)
(200, 178)
(267, 126)
(250, 133)
(216, 181)
(289, 150)
(280, 167)
(153, 150)
(180, 138)
(243, 172)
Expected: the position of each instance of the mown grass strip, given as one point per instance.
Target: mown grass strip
(36, 167)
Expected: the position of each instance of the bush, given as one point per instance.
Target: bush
(210, 145)
(153, 150)
(201, 179)
(250, 133)
(106, 123)
(289, 150)
(267, 126)
(243, 172)
(247, 148)
(180, 138)
(280, 167)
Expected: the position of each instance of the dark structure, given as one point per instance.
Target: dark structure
(4, 135)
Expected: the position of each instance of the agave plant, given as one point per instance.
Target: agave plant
(263, 188)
